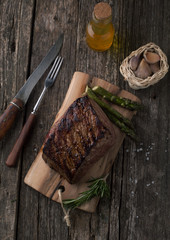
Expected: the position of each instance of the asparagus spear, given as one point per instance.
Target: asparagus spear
(105, 106)
(123, 102)
(122, 126)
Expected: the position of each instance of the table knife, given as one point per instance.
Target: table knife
(49, 81)
(19, 101)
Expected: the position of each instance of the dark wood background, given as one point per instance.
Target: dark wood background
(139, 207)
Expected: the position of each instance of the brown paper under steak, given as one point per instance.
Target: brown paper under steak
(78, 139)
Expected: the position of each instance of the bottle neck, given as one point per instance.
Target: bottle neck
(101, 21)
(100, 26)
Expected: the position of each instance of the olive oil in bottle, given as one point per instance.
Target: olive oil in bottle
(100, 30)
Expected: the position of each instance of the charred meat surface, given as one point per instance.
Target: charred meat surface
(78, 139)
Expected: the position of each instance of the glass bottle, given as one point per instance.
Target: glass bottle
(100, 30)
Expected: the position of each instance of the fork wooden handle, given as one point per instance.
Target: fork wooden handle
(13, 156)
(8, 117)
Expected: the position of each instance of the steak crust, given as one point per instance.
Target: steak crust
(78, 139)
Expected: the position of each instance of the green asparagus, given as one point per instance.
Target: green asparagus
(129, 132)
(123, 102)
(107, 107)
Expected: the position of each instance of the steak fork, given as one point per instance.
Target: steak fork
(49, 81)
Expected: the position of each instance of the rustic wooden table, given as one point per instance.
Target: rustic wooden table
(139, 207)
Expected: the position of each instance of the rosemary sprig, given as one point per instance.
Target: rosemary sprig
(97, 188)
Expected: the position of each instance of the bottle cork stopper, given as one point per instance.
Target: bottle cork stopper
(102, 11)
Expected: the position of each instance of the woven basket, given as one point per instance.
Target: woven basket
(139, 83)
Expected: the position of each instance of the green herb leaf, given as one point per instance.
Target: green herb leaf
(97, 188)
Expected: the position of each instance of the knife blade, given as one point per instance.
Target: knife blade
(23, 137)
(19, 101)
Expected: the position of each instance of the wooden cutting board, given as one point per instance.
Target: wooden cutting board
(45, 180)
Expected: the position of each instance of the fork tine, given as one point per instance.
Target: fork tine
(56, 66)
(49, 81)
(52, 67)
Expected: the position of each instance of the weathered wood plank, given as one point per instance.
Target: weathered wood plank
(15, 25)
(51, 18)
(123, 218)
(144, 175)
(139, 205)
(100, 65)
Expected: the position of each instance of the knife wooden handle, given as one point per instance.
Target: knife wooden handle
(13, 156)
(8, 117)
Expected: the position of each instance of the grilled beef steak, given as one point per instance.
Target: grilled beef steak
(78, 139)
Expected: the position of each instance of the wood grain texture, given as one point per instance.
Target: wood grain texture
(14, 64)
(51, 18)
(23, 137)
(45, 180)
(139, 206)
(7, 119)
